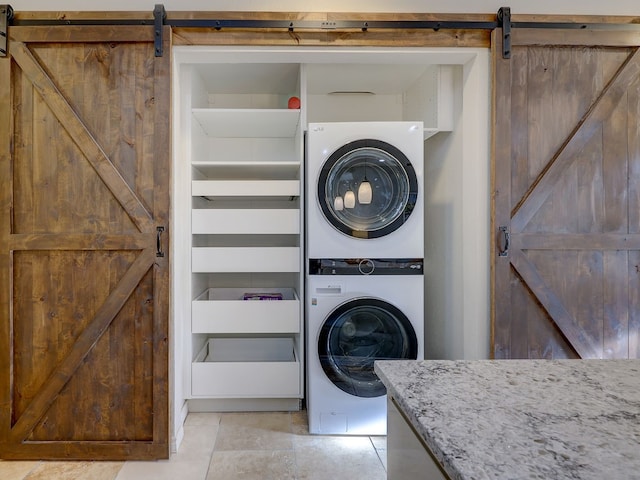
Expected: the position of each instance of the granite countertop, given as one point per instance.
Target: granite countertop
(517, 419)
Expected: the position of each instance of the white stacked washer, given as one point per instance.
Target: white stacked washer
(365, 248)
(353, 320)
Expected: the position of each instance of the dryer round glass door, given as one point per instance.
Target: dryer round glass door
(367, 189)
(354, 335)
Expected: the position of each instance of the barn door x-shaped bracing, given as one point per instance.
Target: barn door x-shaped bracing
(84, 205)
(566, 183)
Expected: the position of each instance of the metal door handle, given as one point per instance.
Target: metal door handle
(504, 239)
(159, 252)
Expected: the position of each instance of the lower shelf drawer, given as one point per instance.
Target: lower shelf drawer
(245, 188)
(223, 310)
(245, 259)
(246, 368)
(245, 221)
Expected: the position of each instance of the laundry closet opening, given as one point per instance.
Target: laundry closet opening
(240, 119)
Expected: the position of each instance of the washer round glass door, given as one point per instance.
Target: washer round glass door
(354, 335)
(367, 189)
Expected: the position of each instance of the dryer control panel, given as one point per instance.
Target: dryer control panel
(366, 266)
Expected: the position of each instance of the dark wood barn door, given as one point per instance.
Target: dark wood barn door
(84, 186)
(566, 184)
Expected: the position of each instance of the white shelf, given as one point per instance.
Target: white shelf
(248, 169)
(257, 221)
(223, 310)
(248, 123)
(246, 368)
(245, 259)
(430, 132)
(245, 188)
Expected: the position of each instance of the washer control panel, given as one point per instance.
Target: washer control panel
(366, 266)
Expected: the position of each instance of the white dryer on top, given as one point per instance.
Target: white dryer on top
(365, 190)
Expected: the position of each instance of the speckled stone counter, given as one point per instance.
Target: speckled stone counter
(517, 419)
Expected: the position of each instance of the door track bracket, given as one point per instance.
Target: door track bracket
(6, 14)
(504, 21)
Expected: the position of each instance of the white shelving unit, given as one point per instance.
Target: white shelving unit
(246, 152)
(239, 200)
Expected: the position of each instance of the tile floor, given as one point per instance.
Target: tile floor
(234, 446)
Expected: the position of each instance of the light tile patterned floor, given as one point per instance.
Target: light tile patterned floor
(234, 446)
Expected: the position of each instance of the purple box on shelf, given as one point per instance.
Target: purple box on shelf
(262, 296)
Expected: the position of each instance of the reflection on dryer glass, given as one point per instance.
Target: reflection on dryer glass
(358, 333)
(367, 188)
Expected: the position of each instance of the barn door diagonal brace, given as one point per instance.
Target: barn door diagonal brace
(6, 14)
(504, 22)
(159, 15)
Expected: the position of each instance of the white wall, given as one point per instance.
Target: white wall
(588, 7)
(457, 218)
(443, 269)
(476, 215)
